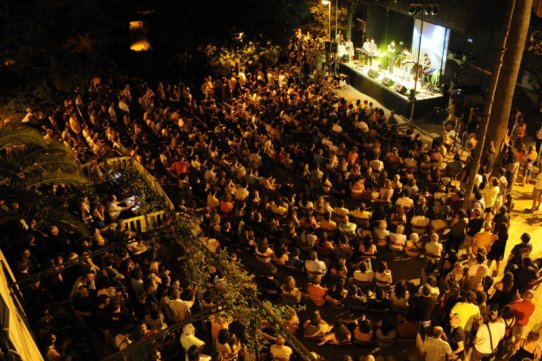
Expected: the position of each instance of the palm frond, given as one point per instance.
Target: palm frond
(35, 180)
(14, 135)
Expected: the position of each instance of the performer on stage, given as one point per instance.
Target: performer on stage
(425, 69)
(406, 63)
(349, 49)
(341, 51)
(369, 49)
(392, 54)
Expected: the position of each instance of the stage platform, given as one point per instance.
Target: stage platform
(371, 83)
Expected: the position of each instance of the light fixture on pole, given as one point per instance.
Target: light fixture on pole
(328, 4)
(421, 10)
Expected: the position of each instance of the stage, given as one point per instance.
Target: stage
(394, 95)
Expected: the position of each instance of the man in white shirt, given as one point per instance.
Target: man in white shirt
(488, 337)
(315, 267)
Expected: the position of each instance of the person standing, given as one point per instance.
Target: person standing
(392, 55)
(537, 193)
(435, 348)
(523, 310)
(456, 338)
(488, 337)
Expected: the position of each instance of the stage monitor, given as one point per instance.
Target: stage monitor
(434, 42)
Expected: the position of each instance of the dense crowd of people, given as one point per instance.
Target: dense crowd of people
(324, 194)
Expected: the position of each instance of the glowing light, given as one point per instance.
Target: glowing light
(325, 2)
(141, 45)
(136, 25)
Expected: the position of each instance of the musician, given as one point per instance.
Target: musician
(341, 51)
(406, 63)
(339, 38)
(369, 48)
(349, 48)
(425, 68)
(392, 54)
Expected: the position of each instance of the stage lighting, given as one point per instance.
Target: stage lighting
(412, 9)
(433, 9)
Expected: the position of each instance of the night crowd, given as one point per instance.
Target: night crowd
(323, 195)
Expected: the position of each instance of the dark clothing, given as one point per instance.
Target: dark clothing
(475, 225)
(522, 277)
(522, 354)
(269, 286)
(422, 308)
(455, 337)
(520, 251)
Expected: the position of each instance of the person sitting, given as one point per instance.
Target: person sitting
(363, 276)
(413, 246)
(279, 350)
(398, 239)
(400, 296)
(316, 293)
(315, 328)
(291, 294)
(385, 334)
(381, 234)
(339, 335)
(314, 267)
(363, 334)
(433, 249)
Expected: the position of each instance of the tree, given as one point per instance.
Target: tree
(58, 43)
(507, 80)
(353, 6)
(29, 167)
(495, 123)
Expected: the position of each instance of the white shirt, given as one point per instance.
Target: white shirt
(483, 343)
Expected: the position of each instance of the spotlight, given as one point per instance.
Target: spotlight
(434, 10)
(412, 9)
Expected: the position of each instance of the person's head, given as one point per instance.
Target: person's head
(470, 297)
(528, 295)
(315, 318)
(83, 291)
(437, 332)
(533, 336)
(426, 290)
(223, 336)
(289, 282)
(189, 329)
(525, 238)
(279, 340)
(493, 316)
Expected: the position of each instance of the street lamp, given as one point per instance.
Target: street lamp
(328, 4)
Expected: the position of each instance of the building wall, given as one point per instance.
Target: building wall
(14, 325)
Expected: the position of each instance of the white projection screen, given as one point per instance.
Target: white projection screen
(435, 40)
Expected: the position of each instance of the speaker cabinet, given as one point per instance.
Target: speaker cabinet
(387, 81)
(373, 74)
(400, 88)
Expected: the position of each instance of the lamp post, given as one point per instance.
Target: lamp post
(419, 9)
(328, 4)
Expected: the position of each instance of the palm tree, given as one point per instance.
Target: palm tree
(29, 168)
(497, 109)
(508, 78)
